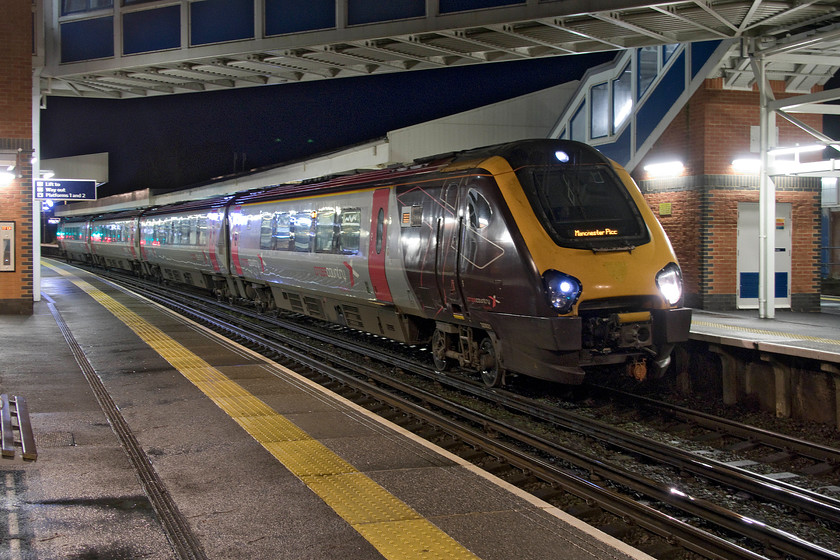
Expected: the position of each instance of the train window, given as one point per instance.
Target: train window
(380, 229)
(160, 233)
(186, 232)
(281, 236)
(478, 210)
(301, 230)
(325, 230)
(265, 231)
(193, 230)
(275, 231)
(202, 231)
(584, 206)
(349, 221)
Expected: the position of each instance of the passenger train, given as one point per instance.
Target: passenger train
(537, 257)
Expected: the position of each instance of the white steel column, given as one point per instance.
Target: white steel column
(766, 202)
(38, 18)
(36, 173)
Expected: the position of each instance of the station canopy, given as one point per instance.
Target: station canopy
(799, 39)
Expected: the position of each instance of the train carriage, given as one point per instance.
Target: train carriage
(114, 241)
(73, 238)
(332, 256)
(187, 243)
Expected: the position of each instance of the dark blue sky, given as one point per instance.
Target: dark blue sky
(178, 140)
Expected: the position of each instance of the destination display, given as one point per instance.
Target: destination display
(65, 189)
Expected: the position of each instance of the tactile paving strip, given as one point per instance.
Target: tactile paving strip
(390, 525)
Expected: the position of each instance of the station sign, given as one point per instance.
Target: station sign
(65, 189)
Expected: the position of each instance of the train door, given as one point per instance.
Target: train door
(378, 242)
(448, 249)
(235, 225)
(131, 236)
(747, 262)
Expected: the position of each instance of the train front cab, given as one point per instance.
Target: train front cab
(606, 266)
(492, 274)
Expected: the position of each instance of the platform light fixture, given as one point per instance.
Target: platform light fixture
(746, 165)
(665, 169)
(8, 162)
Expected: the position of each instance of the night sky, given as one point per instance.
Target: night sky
(175, 141)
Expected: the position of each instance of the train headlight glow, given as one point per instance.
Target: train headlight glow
(669, 282)
(563, 290)
(561, 156)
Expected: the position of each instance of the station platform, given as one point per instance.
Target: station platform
(805, 335)
(256, 460)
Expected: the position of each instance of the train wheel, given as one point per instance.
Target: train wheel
(439, 348)
(492, 374)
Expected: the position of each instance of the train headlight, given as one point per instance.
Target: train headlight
(563, 290)
(669, 282)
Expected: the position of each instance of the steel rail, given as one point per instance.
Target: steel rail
(801, 447)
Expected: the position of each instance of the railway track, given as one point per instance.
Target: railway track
(574, 461)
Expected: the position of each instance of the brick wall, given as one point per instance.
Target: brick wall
(16, 137)
(707, 134)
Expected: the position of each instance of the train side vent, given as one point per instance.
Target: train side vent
(314, 308)
(352, 316)
(296, 303)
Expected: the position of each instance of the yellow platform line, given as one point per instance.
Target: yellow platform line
(765, 332)
(390, 525)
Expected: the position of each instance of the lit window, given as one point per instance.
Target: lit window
(648, 61)
(600, 122)
(622, 98)
(578, 124)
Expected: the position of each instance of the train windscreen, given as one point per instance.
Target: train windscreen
(584, 205)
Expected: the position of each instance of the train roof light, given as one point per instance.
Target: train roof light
(561, 156)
